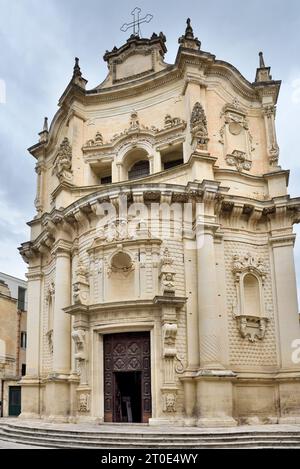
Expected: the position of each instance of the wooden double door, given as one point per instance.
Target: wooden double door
(127, 377)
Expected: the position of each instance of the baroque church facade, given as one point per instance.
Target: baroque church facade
(161, 279)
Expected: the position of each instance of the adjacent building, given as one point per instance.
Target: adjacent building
(13, 338)
(161, 279)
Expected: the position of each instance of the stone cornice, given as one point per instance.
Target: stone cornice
(98, 245)
(281, 240)
(253, 177)
(281, 212)
(157, 302)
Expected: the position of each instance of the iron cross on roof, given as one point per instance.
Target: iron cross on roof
(137, 21)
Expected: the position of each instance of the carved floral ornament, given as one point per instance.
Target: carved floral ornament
(121, 229)
(239, 160)
(50, 304)
(249, 310)
(83, 402)
(198, 126)
(63, 161)
(273, 148)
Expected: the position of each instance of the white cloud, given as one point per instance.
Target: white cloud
(13, 231)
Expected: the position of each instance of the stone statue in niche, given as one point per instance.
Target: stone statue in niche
(198, 126)
(63, 161)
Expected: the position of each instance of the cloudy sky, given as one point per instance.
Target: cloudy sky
(38, 43)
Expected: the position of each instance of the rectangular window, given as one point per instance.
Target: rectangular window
(23, 340)
(173, 163)
(21, 298)
(23, 369)
(106, 180)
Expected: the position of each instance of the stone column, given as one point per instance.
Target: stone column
(57, 391)
(288, 324)
(214, 383)
(189, 384)
(31, 382)
(286, 297)
(207, 299)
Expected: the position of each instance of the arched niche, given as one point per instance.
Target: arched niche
(249, 309)
(120, 276)
(252, 295)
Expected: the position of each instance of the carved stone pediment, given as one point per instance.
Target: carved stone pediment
(248, 263)
(136, 133)
(136, 58)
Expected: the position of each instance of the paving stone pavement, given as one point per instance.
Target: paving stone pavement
(11, 445)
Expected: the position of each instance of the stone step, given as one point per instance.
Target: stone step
(155, 445)
(110, 436)
(148, 434)
(166, 441)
